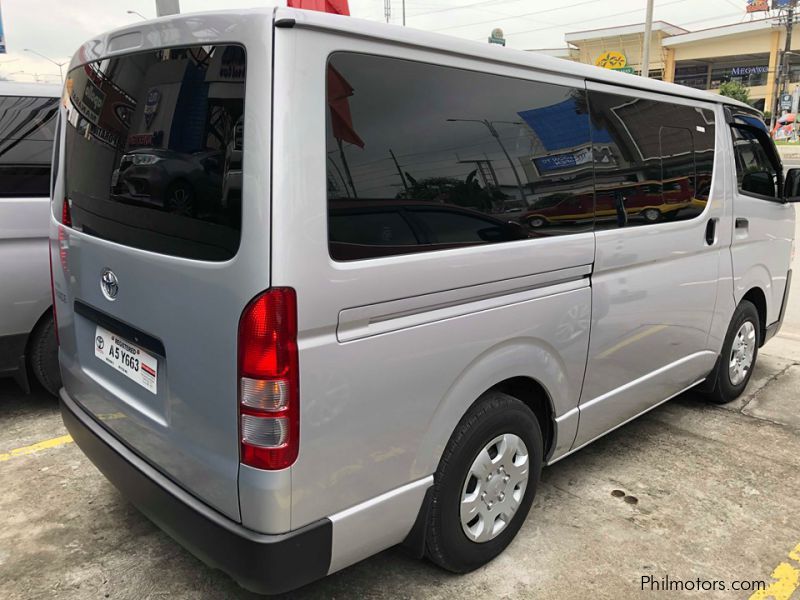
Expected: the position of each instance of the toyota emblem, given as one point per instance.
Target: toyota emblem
(109, 284)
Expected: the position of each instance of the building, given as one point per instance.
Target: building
(748, 52)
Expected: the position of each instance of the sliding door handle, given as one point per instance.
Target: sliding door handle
(711, 232)
(742, 224)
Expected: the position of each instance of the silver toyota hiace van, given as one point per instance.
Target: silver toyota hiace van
(28, 350)
(324, 286)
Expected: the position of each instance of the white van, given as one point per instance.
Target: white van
(28, 114)
(307, 310)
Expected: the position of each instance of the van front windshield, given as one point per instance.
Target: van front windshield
(154, 150)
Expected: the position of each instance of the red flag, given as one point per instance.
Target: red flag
(341, 121)
(337, 7)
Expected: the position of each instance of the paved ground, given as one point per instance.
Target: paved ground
(688, 491)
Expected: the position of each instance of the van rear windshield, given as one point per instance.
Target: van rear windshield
(154, 150)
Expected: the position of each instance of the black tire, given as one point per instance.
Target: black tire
(492, 415)
(43, 355)
(724, 389)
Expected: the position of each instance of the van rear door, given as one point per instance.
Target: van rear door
(159, 251)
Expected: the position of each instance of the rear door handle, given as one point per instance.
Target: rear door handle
(742, 224)
(711, 232)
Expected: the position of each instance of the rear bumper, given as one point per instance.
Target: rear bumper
(267, 564)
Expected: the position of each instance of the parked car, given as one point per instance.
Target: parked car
(362, 228)
(651, 201)
(289, 404)
(28, 349)
(182, 183)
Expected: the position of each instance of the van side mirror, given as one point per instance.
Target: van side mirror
(791, 186)
(759, 182)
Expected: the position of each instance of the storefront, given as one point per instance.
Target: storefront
(746, 52)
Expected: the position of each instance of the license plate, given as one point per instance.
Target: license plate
(127, 358)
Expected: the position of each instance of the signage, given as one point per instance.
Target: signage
(611, 60)
(496, 37)
(630, 70)
(90, 104)
(558, 162)
(2, 35)
(740, 71)
(757, 6)
(782, 3)
(151, 103)
(786, 101)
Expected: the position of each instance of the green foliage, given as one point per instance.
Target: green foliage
(735, 90)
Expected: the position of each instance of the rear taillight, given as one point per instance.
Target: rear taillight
(66, 215)
(53, 294)
(269, 423)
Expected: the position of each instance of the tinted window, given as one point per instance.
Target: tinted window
(464, 158)
(755, 171)
(154, 150)
(27, 128)
(653, 160)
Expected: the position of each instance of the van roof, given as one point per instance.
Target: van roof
(37, 90)
(409, 36)
(492, 52)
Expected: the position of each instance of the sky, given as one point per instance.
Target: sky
(56, 28)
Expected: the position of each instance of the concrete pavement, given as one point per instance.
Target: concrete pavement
(689, 492)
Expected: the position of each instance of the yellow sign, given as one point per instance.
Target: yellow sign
(611, 60)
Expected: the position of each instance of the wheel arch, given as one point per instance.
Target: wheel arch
(506, 367)
(758, 298)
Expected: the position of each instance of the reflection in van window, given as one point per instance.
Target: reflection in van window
(754, 170)
(436, 157)
(27, 129)
(154, 150)
(656, 164)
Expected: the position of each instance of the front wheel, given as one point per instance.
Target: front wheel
(739, 354)
(485, 483)
(536, 222)
(652, 215)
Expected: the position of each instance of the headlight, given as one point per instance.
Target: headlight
(145, 160)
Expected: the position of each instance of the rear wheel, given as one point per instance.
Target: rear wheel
(485, 483)
(739, 354)
(43, 355)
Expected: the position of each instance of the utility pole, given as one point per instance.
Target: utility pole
(648, 31)
(787, 51)
(387, 9)
(404, 12)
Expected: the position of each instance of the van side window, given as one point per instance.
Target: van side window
(463, 158)
(653, 160)
(27, 129)
(755, 172)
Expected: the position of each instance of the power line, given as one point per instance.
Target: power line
(536, 12)
(586, 21)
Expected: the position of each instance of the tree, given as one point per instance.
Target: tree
(735, 90)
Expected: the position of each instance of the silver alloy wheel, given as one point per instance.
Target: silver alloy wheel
(652, 215)
(180, 201)
(536, 222)
(494, 487)
(742, 353)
